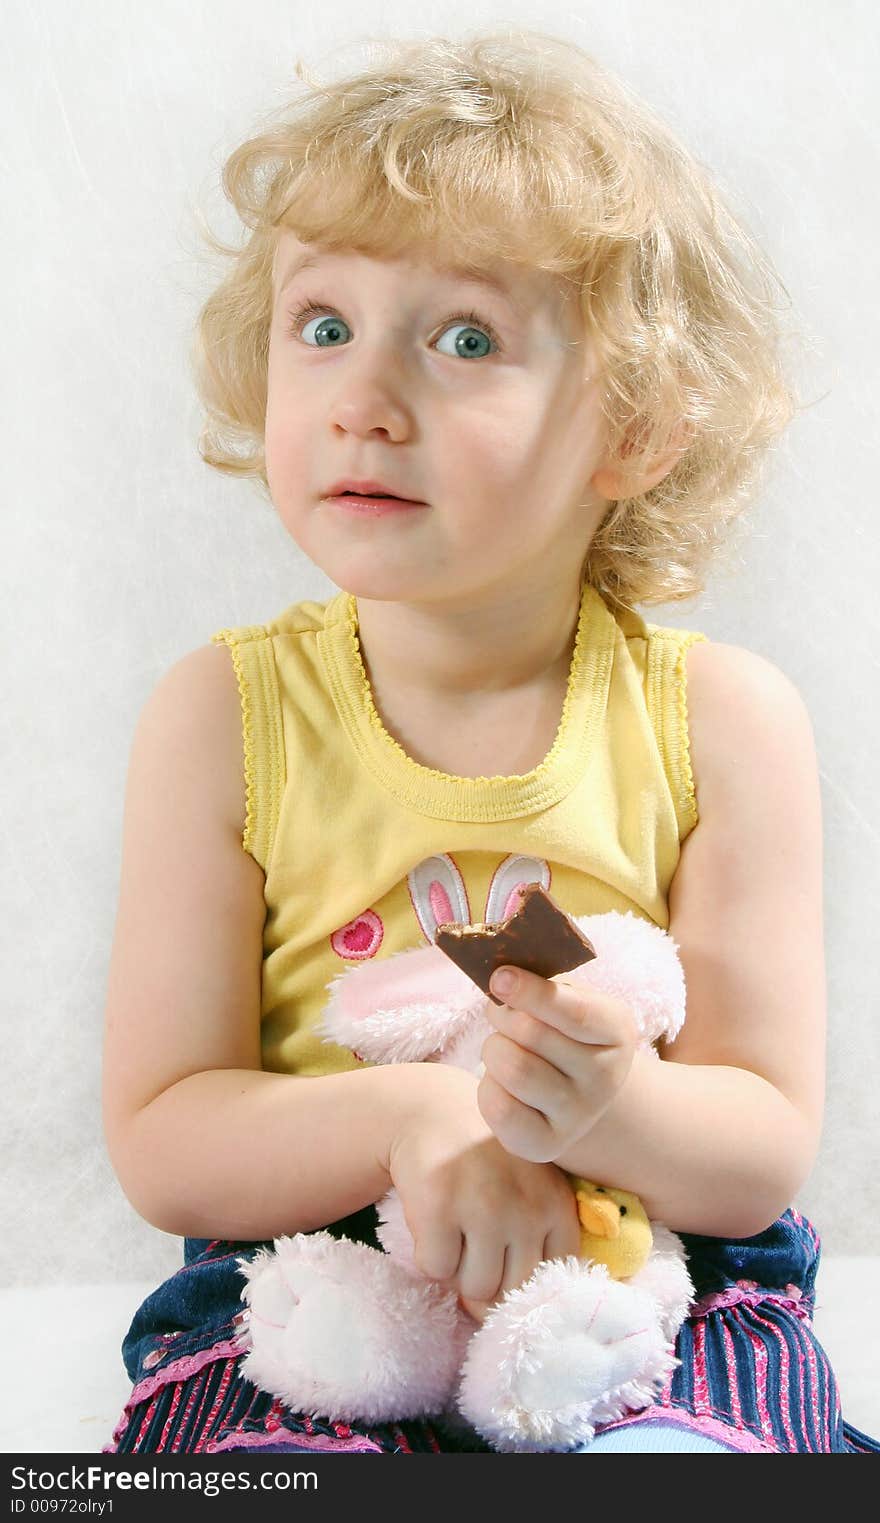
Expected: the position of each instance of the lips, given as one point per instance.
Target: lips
(371, 489)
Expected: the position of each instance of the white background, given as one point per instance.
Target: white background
(123, 551)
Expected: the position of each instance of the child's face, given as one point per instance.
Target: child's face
(500, 443)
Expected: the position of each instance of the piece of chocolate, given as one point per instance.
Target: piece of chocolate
(539, 936)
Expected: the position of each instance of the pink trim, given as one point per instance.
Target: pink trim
(166, 1428)
(187, 1411)
(198, 1263)
(730, 1367)
(201, 1386)
(710, 1427)
(180, 1369)
(700, 1373)
(759, 1354)
(355, 1444)
(147, 1419)
(218, 1402)
(745, 1293)
(825, 1412)
(257, 1397)
(811, 1389)
(784, 1379)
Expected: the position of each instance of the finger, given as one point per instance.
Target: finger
(564, 1237)
(475, 1309)
(586, 1015)
(437, 1249)
(524, 1132)
(527, 1077)
(481, 1268)
(568, 1056)
(520, 1262)
(534, 1035)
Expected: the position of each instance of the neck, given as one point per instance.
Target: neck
(493, 646)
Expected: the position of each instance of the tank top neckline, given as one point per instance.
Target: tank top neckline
(442, 795)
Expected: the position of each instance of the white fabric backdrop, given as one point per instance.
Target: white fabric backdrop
(123, 551)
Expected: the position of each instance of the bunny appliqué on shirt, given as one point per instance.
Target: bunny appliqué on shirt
(344, 1331)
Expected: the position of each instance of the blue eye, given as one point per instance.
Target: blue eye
(328, 332)
(471, 338)
(474, 337)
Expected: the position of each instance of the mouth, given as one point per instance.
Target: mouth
(373, 504)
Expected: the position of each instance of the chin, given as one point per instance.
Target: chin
(358, 572)
(380, 583)
(379, 589)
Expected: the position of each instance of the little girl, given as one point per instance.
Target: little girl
(507, 367)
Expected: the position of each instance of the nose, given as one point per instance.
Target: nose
(371, 394)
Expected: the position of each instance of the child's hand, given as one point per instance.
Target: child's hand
(481, 1218)
(558, 1057)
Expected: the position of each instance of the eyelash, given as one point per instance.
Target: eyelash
(304, 314)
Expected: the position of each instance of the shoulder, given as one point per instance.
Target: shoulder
(196, 705)
(744, 714)
(734, 669)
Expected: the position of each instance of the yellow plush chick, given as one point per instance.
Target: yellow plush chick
(615, 1230)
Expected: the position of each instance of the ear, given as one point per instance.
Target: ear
(615, 479)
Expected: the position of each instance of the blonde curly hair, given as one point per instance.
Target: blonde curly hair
(520, 145)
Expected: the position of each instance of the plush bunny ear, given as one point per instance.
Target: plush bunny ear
(400, 1009)
(636, 961)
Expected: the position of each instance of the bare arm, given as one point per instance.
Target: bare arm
(720, 1135)
(204, 1142)
(231, 1153)
(726, 1152)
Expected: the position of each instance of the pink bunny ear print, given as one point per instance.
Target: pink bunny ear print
(509, 877)
(438, 894)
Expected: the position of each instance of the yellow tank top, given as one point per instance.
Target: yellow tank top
(365, 851)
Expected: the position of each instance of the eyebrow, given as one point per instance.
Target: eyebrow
(471, 274)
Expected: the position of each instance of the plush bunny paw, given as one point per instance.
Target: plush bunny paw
(338, 1330)
(666, 1279)
(570, 1348)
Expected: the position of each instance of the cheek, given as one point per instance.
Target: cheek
(489, 464)
(281, 409)
(284, 427)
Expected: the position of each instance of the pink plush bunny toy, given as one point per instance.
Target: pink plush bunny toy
(338, 1329)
